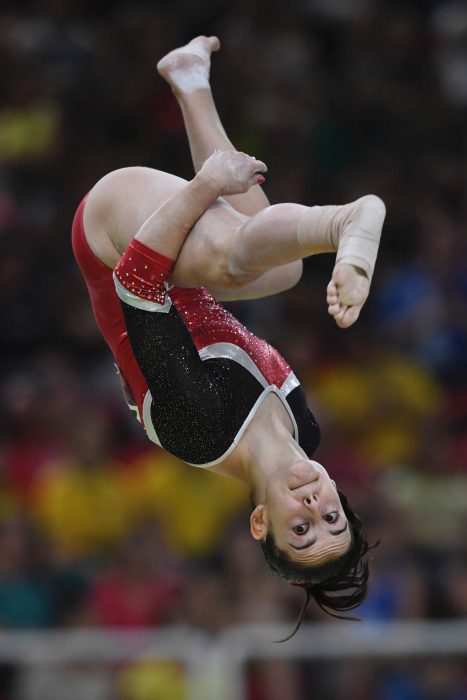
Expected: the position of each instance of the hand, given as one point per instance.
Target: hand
(232, 172)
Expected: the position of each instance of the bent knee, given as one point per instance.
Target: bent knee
(292, 273)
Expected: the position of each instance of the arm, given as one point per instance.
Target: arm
(223, 173)
(166, 229)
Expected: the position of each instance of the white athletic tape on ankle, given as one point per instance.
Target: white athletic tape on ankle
(352, 229)
(318, 227)
(359, 240)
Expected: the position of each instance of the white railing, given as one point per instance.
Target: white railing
(216, 665)
(237, 646)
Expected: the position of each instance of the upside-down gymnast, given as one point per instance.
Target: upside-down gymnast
(158, 254)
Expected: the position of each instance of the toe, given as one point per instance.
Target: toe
(352, 315)
(214, 43)
(334, 309)
(339, 316)
(349, 317)
(331, 288)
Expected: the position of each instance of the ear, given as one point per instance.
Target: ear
(259, 523)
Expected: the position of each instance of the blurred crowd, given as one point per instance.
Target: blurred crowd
(340, 98)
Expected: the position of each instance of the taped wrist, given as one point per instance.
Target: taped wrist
(353, 230)
(141, 277)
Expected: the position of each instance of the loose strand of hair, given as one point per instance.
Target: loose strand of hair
(300, 618)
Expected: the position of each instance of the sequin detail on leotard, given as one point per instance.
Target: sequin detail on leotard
(143, 272)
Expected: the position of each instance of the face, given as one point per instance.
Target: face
(302, 510)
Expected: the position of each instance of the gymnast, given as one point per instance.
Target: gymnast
(158, 255)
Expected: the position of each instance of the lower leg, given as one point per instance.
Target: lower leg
(203, 126)
(269, 239)
(186, 69)
(286, 232)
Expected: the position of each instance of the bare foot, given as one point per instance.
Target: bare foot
(346, 293)
(186, 69)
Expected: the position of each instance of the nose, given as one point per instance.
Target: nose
(311, 498)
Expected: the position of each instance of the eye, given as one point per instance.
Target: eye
(301, 529)
(331, 517)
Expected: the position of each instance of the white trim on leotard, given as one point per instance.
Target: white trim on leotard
(138, 303)
(289, 385)
(147, 420)
(230, 351)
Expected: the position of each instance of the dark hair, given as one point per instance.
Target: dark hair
(347, 573)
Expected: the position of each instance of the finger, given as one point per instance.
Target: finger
(333, 309)
(260, 167)
(256, 179)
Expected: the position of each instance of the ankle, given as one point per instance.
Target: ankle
(360, 235)
(319, 227)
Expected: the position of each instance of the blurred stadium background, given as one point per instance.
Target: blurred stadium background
(102, 534)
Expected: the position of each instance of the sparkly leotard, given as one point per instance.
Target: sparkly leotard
(192, 373)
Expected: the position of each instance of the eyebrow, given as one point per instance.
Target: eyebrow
(313, 540)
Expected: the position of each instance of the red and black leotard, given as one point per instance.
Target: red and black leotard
(194, 375)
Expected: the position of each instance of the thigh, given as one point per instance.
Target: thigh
(119, 204)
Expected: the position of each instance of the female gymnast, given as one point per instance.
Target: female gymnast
(158, 254)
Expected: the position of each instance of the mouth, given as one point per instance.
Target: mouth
(302, 475)
(305, 482)
(299, 486)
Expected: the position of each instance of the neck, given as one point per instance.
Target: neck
(266, 447)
